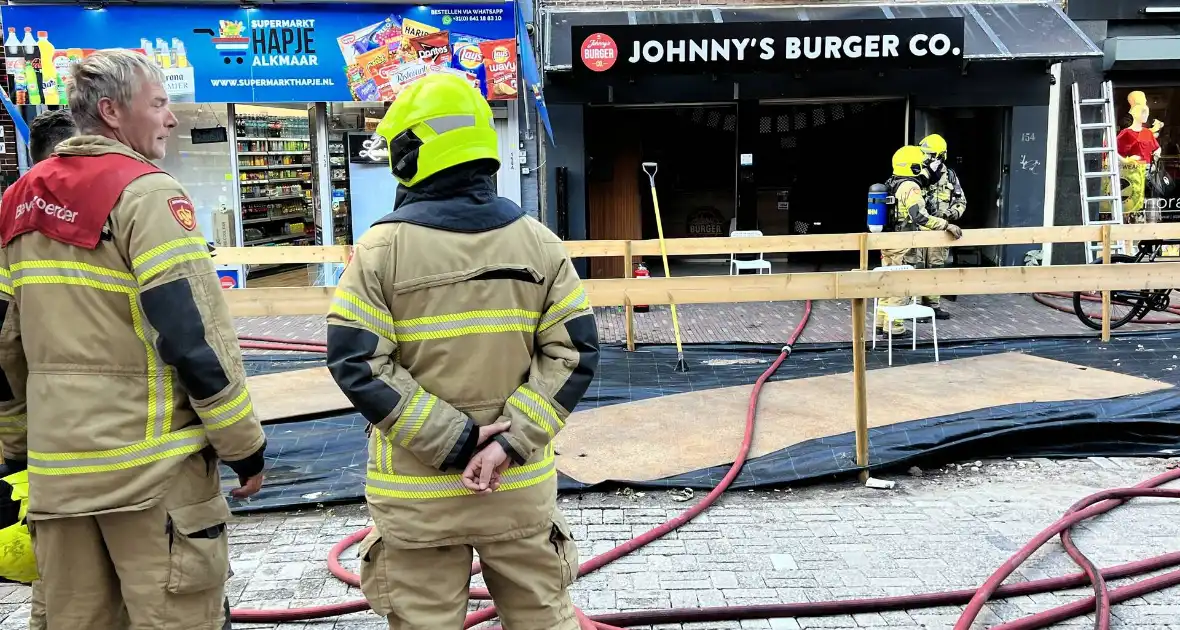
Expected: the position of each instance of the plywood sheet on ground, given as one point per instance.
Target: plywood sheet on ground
(296, 393)
(676, 434)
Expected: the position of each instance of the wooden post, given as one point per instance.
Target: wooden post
(1106, 294)
(629, 310)
(860, 392)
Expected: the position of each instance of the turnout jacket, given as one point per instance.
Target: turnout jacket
(910, 214)
(945, 198)
(118, 355)
(457, 310)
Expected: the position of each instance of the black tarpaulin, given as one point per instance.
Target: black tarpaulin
(993, 31)
(323, 461)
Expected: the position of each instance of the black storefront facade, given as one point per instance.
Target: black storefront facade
(1140, 42)
(760, 78)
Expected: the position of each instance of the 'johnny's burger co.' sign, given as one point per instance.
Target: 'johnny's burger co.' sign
(735, 47)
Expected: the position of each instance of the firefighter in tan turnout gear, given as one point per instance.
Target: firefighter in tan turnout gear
(122, 379)
(944, 200)
(907, 213)
(461, 331)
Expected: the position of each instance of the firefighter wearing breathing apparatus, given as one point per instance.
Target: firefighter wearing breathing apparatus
(944, 200)
(907, 212)
(460, 330)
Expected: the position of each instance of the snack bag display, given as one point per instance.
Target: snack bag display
(465, 54)
(433, 49)
(473, 79)
(410, 30)
(403, 75)
(371, 62)
(366, 91)
(500, 61)
(369, 38)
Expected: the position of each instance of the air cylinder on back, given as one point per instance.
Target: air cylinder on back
(878, 193)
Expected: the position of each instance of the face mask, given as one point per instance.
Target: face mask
(935, 165)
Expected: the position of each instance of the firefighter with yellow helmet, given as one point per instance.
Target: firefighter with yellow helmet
(908, 213)
(460, 330)
(945, 200)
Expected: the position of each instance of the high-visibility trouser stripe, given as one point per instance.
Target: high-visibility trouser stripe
(537, 409)
(466, 323)
(413, 416)
(160, 258)
(447, 486)
(180, 443)
(15, 423)
(355, 309)
(228, 413)
(159, 376)
(5, 281)
(570, 304)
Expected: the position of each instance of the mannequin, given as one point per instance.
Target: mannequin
(1137, 148)
(1139, 98)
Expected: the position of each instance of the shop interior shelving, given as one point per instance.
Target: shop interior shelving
(275, 173)
(341, 196)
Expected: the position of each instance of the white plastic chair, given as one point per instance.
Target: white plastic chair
(912, 311)
(736, 266)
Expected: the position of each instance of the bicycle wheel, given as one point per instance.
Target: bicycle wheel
(1124, 305)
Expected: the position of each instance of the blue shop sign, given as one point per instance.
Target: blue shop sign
(282, 54)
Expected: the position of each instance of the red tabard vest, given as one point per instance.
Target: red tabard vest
(68, 198)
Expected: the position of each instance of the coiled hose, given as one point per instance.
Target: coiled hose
(1089, 507)
(1042, 299)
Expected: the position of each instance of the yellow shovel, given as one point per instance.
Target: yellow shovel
(681, 364)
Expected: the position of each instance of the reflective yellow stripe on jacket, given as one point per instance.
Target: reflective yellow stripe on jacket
(159, 441)
(179, 443)
(381, 480)
(14, 424)
(537, 409)
(159, 259)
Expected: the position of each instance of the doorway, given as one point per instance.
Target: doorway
(975, 150)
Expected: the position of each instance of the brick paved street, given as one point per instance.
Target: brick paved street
(946, 529)
(973, 317)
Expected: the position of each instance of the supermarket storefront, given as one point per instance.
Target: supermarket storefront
(277, 104)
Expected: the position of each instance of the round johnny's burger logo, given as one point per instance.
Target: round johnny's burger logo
(500, 54)
(599, 52)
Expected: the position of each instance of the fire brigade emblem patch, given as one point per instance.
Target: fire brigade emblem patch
(184, 212)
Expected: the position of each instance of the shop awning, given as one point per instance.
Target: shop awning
(994, 31)
(1142, 53)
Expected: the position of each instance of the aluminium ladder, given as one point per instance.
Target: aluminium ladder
(1105, 147)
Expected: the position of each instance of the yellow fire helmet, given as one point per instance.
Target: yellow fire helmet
(907, 161)
(934, 145)
(17, 562)
(437, 122)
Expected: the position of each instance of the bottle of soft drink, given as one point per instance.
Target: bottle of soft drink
(11, 51)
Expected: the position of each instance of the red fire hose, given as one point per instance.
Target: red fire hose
(1042, 298)
(1087, 508)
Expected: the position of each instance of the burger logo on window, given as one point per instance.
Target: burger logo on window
(706, 222)
(599, 52)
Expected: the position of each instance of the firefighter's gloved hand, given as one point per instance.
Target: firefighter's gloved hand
(956, 231)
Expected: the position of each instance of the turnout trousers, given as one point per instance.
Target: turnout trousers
(161, 567)
(427, 588)
(890, 257)
(928, 258)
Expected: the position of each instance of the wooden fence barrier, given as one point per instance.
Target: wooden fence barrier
(857, 285)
